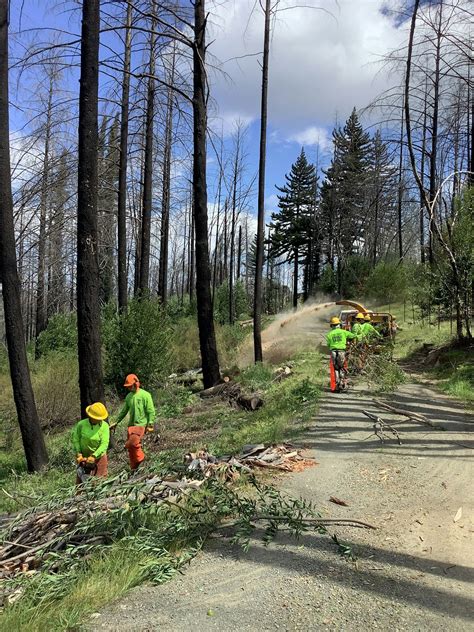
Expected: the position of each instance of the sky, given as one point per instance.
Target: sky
(323, 62)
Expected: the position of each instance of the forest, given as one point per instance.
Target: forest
(141, 233)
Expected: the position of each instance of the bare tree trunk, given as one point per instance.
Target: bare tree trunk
(422, 176)
(232, 231)
(239, 253)
(295, 279)
(257, 305)
(33, 441)
(400, 191)
(144, 280)
(207, 339)
(88, 309)
(41, 313)
(434, 129)
(165, 201)
(123, 161)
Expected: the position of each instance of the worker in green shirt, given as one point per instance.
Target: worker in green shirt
(358, 325)
(141, 418)
(337, 342)
(368, 331)
(90, 439)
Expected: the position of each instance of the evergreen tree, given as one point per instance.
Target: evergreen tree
(293, 227)
(343, 194)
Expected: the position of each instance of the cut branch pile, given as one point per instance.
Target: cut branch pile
(283, 457)
(34, 537)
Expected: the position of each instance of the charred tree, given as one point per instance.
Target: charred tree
(123, 160)
(257, 304)
(33, 441)
(207, 339)
(88, 307)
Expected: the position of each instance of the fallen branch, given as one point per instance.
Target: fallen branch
(406, 413)
(381, 426)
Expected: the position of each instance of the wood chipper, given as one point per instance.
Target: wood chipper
(384, 322)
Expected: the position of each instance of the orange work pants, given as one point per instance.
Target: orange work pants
(134, 446)
(101, 471)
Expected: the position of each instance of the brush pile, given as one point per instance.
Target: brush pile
(38, 536)
(284, 457)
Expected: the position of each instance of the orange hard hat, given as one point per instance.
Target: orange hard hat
(131, 379)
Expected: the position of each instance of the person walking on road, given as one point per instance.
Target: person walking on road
(337, 342)
(90, 439)
(141, 419)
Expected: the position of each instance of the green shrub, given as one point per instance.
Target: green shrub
(139, 341)
(59, 335)
(184, 345)
(56, 386)
(221, 302)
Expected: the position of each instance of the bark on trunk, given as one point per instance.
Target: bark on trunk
(33, 441)
(144, 279)
(207, 339)
(122, 181)
(257, 305)
(88, 308)
(165, 202)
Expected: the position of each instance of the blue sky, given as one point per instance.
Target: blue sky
(322, 64)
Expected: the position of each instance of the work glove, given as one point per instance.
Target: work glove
(150, 429)
(79, 458)
(90, 460)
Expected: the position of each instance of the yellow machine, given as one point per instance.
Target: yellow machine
(382, 321)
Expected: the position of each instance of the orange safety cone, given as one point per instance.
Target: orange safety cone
(332, 375)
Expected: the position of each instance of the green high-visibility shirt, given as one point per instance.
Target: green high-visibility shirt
(357, 329)
(140, 409)
(369, 331)
(337, 339)
(91, 439)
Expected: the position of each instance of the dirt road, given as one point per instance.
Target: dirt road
(412, 573)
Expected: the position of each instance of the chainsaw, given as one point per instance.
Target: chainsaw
(85, 470)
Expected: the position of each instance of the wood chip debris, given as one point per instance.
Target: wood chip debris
(284, 457)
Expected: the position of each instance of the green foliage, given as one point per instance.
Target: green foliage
(139, 341)
(387, 282)
(59, 335)
(382, 372)
(221, 302)
(354, 276)
(257, 377)
(328, 281)
(171, 400)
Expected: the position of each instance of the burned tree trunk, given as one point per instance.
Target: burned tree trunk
(33, 441)
(207, 339)
(257, 304)
(88, 308)
(165, 202)
(144, 277)
(122, 183)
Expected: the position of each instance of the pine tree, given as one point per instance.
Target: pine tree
(293, 226)
(343, 194)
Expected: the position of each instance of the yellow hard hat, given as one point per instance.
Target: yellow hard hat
(360, 316)
(97, 411)
(335, 321)
(367, 317)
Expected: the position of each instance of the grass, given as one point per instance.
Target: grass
(100, 580)
(63, 603)
(453, 373)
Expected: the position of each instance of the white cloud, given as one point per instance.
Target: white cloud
(320, 66)
(313, 135)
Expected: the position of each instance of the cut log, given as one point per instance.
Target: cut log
(253, 402)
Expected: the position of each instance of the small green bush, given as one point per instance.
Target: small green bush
(139, 341)
(221, 302)
(59, 335)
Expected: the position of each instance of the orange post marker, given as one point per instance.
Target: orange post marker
(332, 375)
